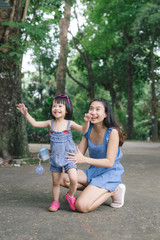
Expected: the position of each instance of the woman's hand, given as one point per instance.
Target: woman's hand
(21, 107)
(87, 117)
(76, 157)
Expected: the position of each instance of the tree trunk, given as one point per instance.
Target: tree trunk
(130, 70)
(13, 137)
(130, 101)
(62, 64)
(154, 102)
(108, 86)
(90, 75)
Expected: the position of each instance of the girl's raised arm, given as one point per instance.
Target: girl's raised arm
(39, 124)
(84, 128)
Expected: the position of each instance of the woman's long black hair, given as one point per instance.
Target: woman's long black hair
(110, 120)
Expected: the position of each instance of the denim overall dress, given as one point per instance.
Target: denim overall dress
(60, 144)
(107, 178)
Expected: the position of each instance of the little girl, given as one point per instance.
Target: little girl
(61, 143)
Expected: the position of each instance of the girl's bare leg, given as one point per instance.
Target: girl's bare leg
(56, 185)
(72, 173)
(91, 198)
(82, 180)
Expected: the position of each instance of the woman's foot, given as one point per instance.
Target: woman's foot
(118, 197)
(71, 201)
(54, 206)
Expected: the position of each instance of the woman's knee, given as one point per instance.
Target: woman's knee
(64, 181)
(81, 206)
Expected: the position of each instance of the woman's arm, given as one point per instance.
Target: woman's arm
(83, 145)
(105, 162)
(31, 120)
(79, 128)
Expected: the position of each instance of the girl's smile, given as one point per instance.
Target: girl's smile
(58, 110)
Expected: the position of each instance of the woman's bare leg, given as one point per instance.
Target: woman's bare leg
(82, 180)
(91, 198)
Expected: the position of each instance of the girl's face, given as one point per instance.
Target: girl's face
(97, 112)
(58, 110)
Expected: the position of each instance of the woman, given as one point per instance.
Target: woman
(103, 178)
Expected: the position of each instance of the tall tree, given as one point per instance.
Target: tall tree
(110, 23)
(13, 137)
(17, 32)
(62, 64)
(147, 32)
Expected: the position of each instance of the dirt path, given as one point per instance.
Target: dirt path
(128, 147)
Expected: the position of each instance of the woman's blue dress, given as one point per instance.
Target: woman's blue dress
(107, 178)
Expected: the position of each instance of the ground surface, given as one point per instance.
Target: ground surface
(25, 197)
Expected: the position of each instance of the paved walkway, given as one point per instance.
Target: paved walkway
(25, 197)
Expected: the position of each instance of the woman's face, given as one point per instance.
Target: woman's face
(97, 112)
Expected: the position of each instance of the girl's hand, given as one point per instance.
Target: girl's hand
(87, 117)
(76, 157)
(21, 107)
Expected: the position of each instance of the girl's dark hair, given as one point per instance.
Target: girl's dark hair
(110, 120)
(64, 99)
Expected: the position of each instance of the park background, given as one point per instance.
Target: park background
(85, 49)
(112, 51)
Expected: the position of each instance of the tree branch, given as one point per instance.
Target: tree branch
(35, 7)
(6, 34)
(79, 83)
(25, 10)
(75, 45)
(76, 16)
(34, 16)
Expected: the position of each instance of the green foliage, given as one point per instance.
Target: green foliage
(147, 22)
(38, 135)
(80, 103)
(117, 32)
(37, 98)
(52, 5)
(103, 36)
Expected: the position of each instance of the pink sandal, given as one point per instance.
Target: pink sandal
(118, 197)
(54, 206)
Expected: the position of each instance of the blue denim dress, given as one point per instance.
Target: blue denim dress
(107, 178)
(60, 144)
